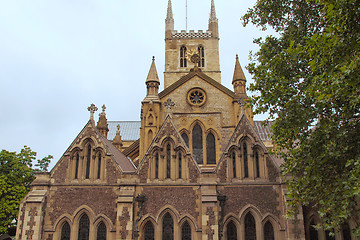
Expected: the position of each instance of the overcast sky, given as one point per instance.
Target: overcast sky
(59, 56)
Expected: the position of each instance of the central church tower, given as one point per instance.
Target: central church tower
(177, 43)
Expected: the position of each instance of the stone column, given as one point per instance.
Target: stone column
(124, 218)
(209, 220)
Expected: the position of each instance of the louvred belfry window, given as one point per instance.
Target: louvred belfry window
(168, 227)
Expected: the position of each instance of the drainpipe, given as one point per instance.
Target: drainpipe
(221, 198)
(140, 199)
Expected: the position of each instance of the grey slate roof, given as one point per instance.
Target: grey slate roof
(130, 130)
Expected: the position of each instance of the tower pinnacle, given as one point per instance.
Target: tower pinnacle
(169, 21)
(213, 21)
(213, 13)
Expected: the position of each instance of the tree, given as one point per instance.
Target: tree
(308, 76)
(16, 175)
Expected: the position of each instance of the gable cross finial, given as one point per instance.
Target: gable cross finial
(92, 109)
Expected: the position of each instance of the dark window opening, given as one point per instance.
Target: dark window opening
(186, 139)
(231, 231)
(250, 227)
(202, 56)
(88, 162)
(84, 227)
(149, 231)
(101, 232)
(157, 165)
(77, 166)
(257, 164)
(210, 149)
(99, 166)
(183, 62)
(168, 227)
(268, 231)
(197, 144)
(233, 156)
(168, 160)
(65, 231)
(186, 231)
(246, 167)
(180, 162)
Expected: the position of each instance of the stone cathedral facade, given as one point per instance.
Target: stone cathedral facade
(197, 166)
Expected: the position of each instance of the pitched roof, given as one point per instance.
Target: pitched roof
(130, 130)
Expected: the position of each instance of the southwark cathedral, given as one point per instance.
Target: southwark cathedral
(197, 166)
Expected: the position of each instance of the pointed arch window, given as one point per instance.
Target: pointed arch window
(312, 231)
(149, 231)
(101, 232)
(99, 166)
(250, 227)
(231, 231)
(84, 224)
(168, 160)
(186, 139)
(233, 157)
(197, 144)
(257, 163)
(210, 149)
(180, 164)
(88, 159)
(65, 231)
(183, 62)
(77, 165)
(202, 56)
(168, 227)
(186, 231)
(157, 165)
(268, 231)
(246, 167)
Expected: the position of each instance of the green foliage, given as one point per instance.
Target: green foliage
(308, 76)
(16, 175)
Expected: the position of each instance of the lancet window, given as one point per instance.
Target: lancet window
(88, 161)
(246, 163)
(168, 227)
(157, 165)
(268, 231)
(183, 62)
(65, 231)
(149, 231)
(231, 231)
(233, 158)
(84, 224)
(186, 231)
(101, 232)
(197, 144)
(202, 56)
(250, 227)
(77, 159)
(210, 149)
(168, 161)
(180, 164)
(257, 164)
(186, 139)
(99, 166)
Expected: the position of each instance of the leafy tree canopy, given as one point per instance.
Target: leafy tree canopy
(16, 175)
(308, 76)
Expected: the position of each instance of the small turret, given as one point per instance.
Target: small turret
(213, 21)
(169, 21)
(102, 124)
(152, 84)
(117, 139)
(239, 80)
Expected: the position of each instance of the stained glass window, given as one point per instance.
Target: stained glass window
(77, 165)
(268, 231)
(149, 231)
(257, 163)
(197, 144)
(246, 167)
(250, 227)
(65, 231)
(210, 149)
(183, 62)
(99, 166)
(231, 231)
(168, 227)
(186, 138)
(84, 227)
(233, 156)
(202, 56)
(168, 160)
(186, 231)
(88, 162)
(101, 232)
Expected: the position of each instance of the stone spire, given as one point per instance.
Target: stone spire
(239, 80)
(117, 139)
(152, 83)
(213, 21)
(102, 124)
(169, 21)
